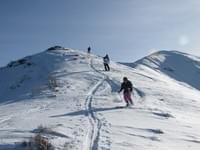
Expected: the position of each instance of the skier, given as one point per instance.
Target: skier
(106, 61)
(89, 50)
(127, 88)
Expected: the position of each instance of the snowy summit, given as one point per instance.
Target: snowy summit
(66, 96)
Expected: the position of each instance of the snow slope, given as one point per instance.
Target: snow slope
(177, 65)
(68, 92)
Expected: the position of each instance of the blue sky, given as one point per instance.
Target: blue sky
(125, 29)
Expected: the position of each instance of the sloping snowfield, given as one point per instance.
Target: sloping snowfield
(69, 93)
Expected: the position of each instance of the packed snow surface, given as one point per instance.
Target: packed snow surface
(68, 94)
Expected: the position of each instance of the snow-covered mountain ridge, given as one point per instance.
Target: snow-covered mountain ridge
(177, 65)
(68, 92)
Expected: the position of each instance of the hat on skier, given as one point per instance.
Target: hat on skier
(125, 79)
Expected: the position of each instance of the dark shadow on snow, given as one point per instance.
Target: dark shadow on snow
(193, 141)
(85, 112)
(139, 92)
(155, 131)
(164, 115)
(114, 84)
(152, 138)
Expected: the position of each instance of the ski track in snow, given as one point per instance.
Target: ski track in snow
(95, 124)
(93, 134)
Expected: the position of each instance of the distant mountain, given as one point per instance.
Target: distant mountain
(177, 65)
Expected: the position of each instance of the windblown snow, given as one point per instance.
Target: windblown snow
(69, 93)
